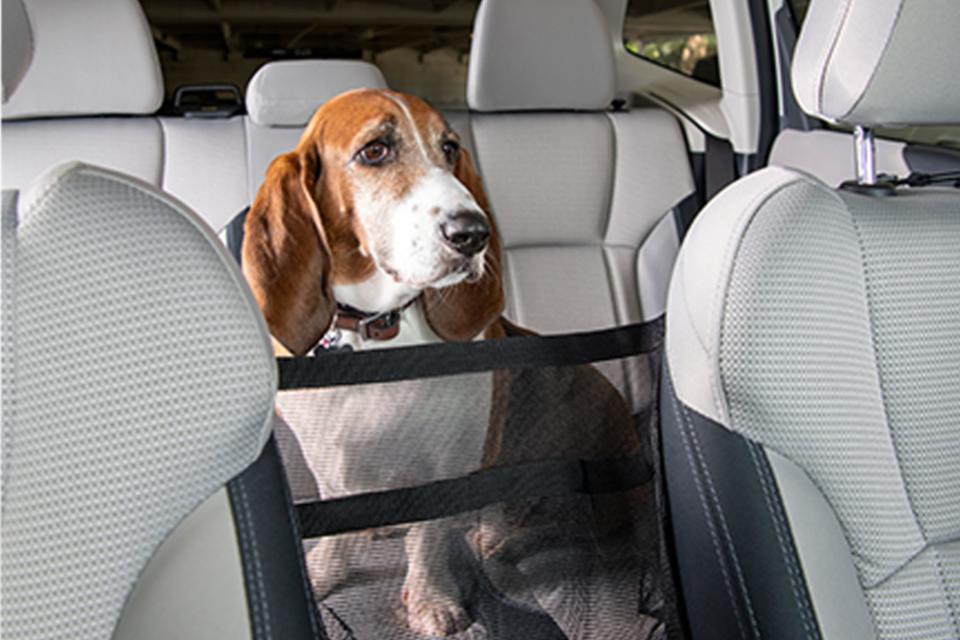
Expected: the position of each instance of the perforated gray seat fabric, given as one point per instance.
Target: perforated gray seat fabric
(833, 345)
(874, 341)
(811, 420)
(138, 379)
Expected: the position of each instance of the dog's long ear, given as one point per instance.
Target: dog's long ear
(286, 257)
(461, 312)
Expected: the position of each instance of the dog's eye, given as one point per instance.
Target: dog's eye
(374, 153)
(451, 149)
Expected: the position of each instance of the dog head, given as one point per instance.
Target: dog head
(377, 205)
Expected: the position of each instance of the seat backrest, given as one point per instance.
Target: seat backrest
(89, 59)
(138, 389)
(813, 352)
(584, 196)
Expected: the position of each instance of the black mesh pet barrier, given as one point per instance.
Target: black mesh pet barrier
(503, 489)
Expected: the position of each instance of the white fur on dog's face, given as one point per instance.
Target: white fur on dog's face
(403, 190)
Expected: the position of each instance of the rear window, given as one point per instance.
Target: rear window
(421, 46)
(677, 34)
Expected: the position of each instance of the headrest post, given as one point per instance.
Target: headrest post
(866, 153)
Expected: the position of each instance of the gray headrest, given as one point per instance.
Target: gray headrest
(880, 62)
(287, 92)
(17, 45)
(89, 58)
(540, 55)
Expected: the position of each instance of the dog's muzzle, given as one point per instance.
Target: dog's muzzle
(466, 232)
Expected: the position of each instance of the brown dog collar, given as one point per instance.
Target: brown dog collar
(370, 326)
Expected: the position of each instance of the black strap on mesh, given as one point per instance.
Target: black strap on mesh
(444, 498)
(339, 368)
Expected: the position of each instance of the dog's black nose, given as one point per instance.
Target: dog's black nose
(466, 232)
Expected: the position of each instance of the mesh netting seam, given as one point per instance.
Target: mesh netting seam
(302, 565)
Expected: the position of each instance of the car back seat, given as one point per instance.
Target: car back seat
(82, 101)
(90, 94)
(85, 94)
(584, 196)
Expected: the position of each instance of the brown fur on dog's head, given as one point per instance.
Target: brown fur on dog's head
(326, 216)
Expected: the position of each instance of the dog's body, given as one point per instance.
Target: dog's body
(380, 209)
(377, 207)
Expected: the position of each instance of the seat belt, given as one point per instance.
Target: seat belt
(718, 171)
(719, 167)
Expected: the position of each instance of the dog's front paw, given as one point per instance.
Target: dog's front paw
(490, 538)
(326, 566)
(431, 612)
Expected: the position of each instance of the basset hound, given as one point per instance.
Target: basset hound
(378, 207)
(376, 222)
(379, 221)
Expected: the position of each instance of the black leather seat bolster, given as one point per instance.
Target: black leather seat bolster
(279, 597)
(738, 566)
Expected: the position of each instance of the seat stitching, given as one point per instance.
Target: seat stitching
(261, 590)
(876, 69)
(244, 536)
(827, 60)
(946, 595)
(789, 557)
(893, 441)
(728, 540)
(721, 288)
(876, 367)
(681, 422)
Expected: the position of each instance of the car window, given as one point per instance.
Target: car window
(677, 34)
(421, 46)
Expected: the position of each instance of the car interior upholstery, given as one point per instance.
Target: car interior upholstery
(811, 370)
(809, 399)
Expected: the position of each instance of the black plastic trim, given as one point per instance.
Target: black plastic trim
(684, 212)
(793, 116)
(767, 79)
(235, 231)
(739, 572)
(922, 158)
(279, 597)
